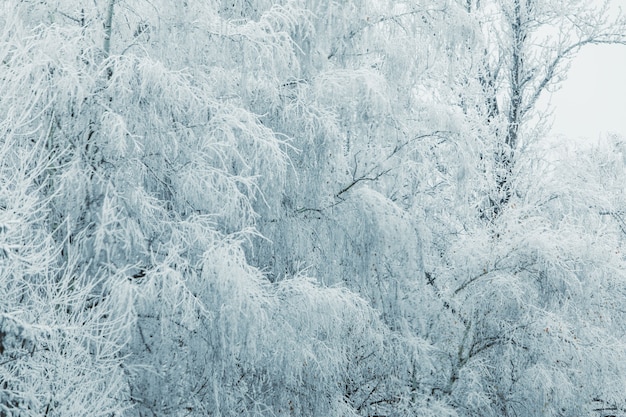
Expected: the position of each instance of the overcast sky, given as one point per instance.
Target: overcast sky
(592, 101)
(593, 98)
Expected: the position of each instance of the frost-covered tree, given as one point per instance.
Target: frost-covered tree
(300, 208)
(509, 261)
(340, 212)
(64, 319)
(133, 156)
(525, 52)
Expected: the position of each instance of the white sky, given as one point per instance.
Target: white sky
(592, 101)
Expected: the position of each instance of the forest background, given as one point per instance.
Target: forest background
(304, 208)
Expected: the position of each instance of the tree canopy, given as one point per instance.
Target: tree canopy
(304, 208)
